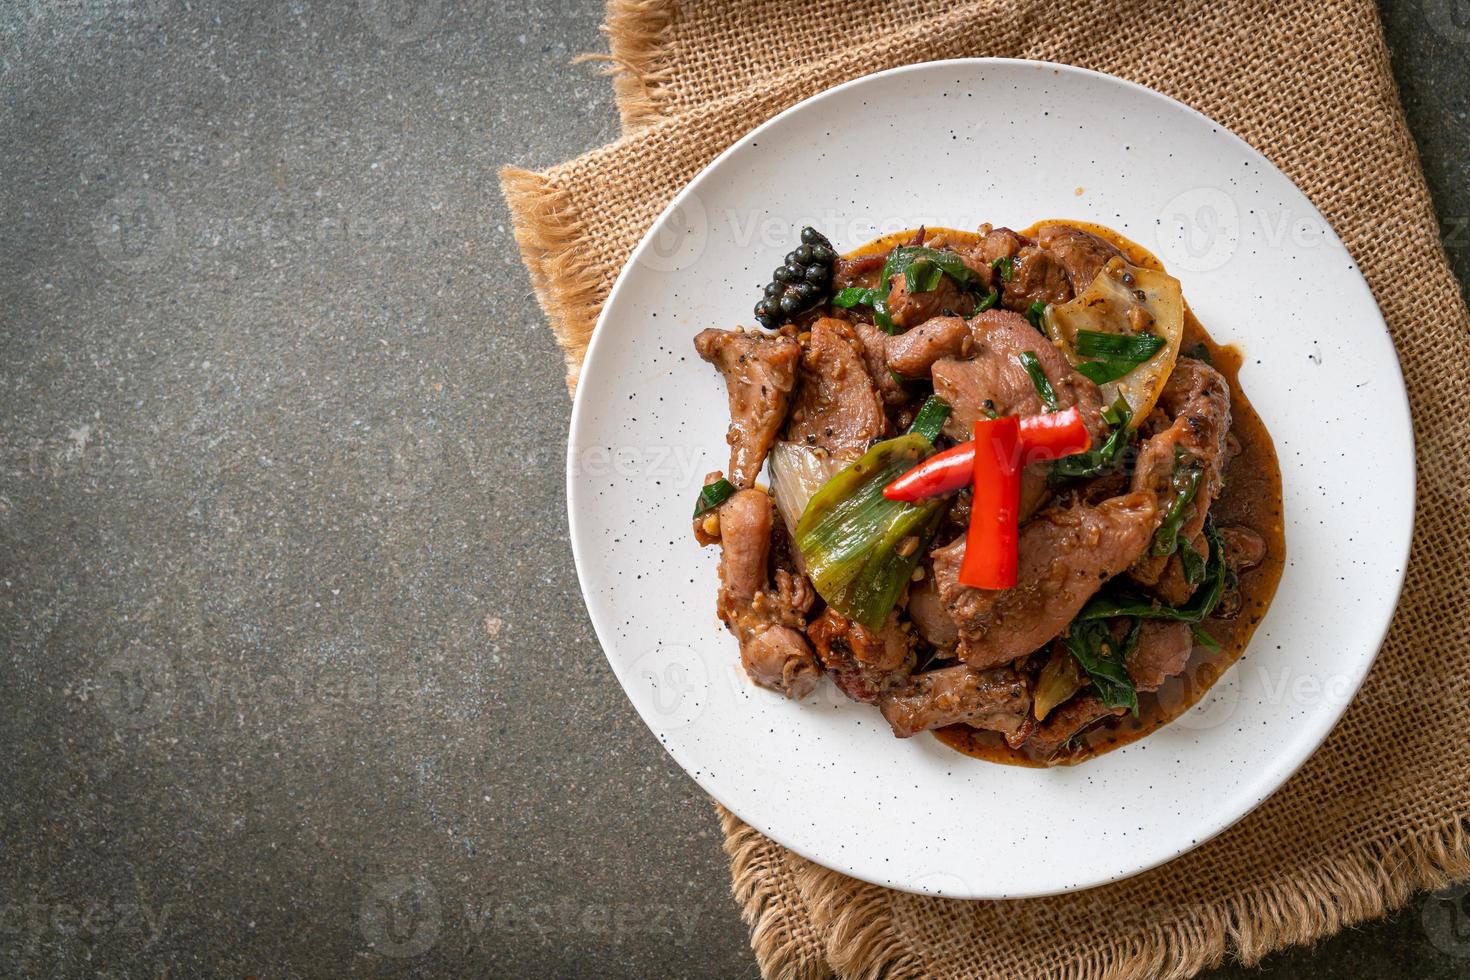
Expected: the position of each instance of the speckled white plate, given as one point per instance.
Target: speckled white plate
(957, 143)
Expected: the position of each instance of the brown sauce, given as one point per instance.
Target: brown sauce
(1251, 498)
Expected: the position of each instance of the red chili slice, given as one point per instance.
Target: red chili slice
(1042, 437)
(990, 544)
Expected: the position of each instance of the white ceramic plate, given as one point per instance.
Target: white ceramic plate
(954, 144)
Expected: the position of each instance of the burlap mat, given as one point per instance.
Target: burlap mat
(1381, 810)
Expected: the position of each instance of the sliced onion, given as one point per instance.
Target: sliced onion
(1104, 306)
(797, 472)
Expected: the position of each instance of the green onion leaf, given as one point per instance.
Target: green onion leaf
(987, 301)
(1039, 381)
(903, 258)
(930, 418)
(922, 276)
(1135, 347)
(1101, 372)
(1034, 313)
(881, 317)
(712, 495)
(1006, 266)
(854, 296)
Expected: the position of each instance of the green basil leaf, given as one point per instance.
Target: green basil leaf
(1092, 645)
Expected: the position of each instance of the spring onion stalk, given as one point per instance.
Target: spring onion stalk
(859, 547)
(930, 418)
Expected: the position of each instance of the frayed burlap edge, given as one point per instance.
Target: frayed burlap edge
(547, 228)
(784, 939)
(861, 941)
(638, 58)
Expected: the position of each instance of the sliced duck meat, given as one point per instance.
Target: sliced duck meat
(1036, 277)
(997, 243)
(774, 652)
(1081, 254)
(998, 700)
(1065, 555)
(1163, 652)
(994, 381)
(930, 617)
(853, 271)
(837, 407)
(1244, 548)
(911, 309)
(760, 372)
(912, 353)
(875, 357)
(1051, 738)
(779, 659)
(862, 663)
(1196, 399)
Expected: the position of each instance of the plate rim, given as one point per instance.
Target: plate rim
(1325, 722)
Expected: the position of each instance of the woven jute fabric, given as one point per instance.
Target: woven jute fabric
(1381, 810)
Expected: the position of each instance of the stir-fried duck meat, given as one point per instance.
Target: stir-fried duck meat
(912, 353)
(893, 377)
(994, 381)
(1051, 736)
(837, 407)
(875, 357)
(1081, 254)
(766, 621)
(911, 309)
(1163, 651)
(862, 663)
(1197, 400)
(1066, 554)
(998, 700)
(760, 371)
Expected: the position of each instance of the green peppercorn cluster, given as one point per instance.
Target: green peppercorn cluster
(799, 284)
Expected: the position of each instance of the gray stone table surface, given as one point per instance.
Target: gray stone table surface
(296, 678)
